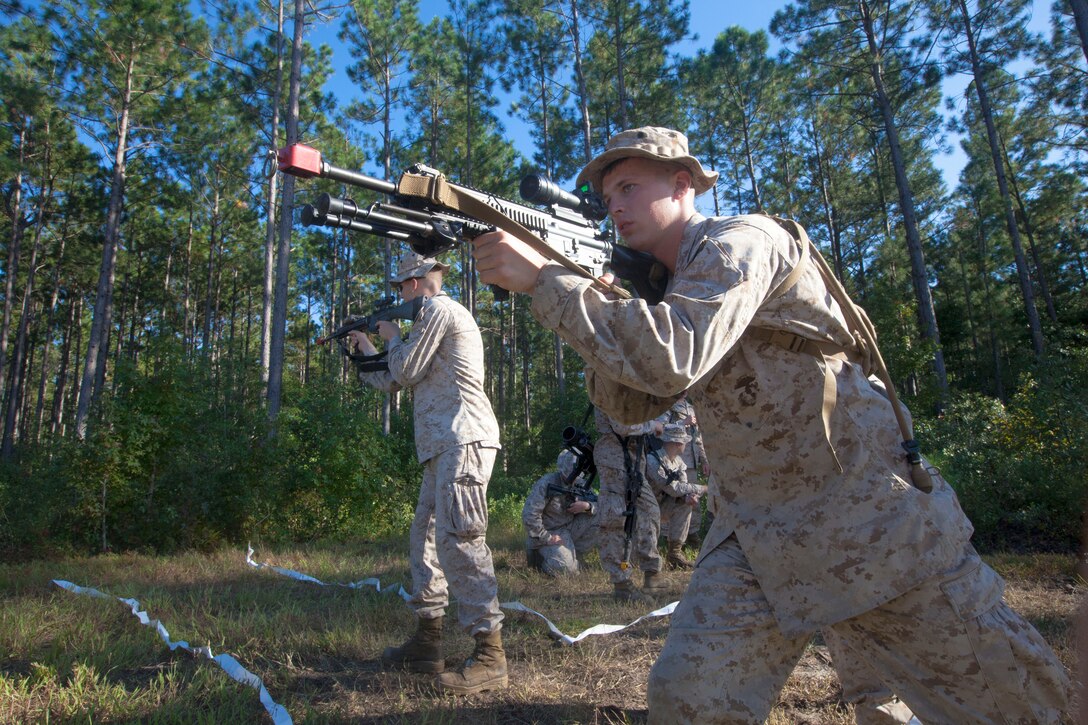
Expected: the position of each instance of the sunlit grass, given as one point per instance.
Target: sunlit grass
(67, 658)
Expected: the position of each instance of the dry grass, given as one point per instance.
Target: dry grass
(65, 658)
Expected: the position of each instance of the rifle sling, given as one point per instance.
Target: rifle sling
(633, 490)
(439, 190)
(865, 351)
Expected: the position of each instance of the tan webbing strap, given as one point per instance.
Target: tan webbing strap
(819, 350)
(438, 190)
(865, 336)
(797, 232)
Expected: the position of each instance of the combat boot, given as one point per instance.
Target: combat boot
(422, 652)
(675, 558)
(625, 591)
(484, 670)
(654, 582)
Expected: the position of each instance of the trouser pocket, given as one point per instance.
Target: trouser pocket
(468, 495)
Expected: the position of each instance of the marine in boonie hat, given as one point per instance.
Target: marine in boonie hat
(413, 264)
(648, 142)
(674, 433)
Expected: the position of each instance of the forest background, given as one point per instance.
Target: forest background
(161, 385)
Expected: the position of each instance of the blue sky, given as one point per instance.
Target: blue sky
(708, 19)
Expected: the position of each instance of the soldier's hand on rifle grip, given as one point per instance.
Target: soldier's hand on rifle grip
(361, 343)
(578, 507)
(388, 330)
(503, 260)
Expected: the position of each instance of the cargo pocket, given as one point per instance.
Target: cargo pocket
(973, 590)
(468, 505)
(468, 508)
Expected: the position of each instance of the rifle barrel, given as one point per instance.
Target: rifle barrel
(354, 178)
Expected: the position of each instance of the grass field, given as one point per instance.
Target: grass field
(69, 658)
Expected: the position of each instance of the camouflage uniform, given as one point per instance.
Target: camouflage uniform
(695, 452)
(608, 455)
(817, 524)
(874, 703)
(675, 513)
(671, 494)
(546, 515)
(456, 441)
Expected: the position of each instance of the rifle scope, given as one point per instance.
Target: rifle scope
(539, 189)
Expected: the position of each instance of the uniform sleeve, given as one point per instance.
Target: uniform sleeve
(697, 446)
(532, 512)
(409, 360)
(380, 379)
(649, 355)
(683, 487)
(655, 472)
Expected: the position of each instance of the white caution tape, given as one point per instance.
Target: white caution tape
(368, 582)
(597, 629)
(279, 714)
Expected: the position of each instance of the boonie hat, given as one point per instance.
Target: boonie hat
(648, 142)
(413, 264)
(674, 433)
(565, 463)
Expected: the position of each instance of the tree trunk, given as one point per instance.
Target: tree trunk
(1080, 16)
(56, 418)
(209, 279)
(1040, 272)
(984, 276)
(94, 367)
(823, 170)
(1034, 325)
(186, 301)
(16, 385)
(621, 83)
(750, 166)
(283, 253)
(39, 413)
(270, 212)
(919, 277)
(580, 77)
(11, 271)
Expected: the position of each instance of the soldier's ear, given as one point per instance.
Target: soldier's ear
(681, 183)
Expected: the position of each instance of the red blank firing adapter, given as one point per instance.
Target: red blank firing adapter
(299, 160)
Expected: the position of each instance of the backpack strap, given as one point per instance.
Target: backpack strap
(864, 334)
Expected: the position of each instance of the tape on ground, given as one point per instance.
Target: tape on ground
(597, 629)
(231, 666)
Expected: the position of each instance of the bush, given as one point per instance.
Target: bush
(1019, 469)
(340, 477)
(170, 464)
(165, 466)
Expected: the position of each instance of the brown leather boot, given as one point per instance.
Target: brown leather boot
(654, 582)
(625, 591)
(422, 652)
(484, 670)
(675, 558)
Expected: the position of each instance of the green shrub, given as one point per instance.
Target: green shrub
(1019, 469)
(340, 476)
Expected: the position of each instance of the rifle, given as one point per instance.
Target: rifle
(433, 214)
(577, 442)
(633, 467)
(385, 309)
